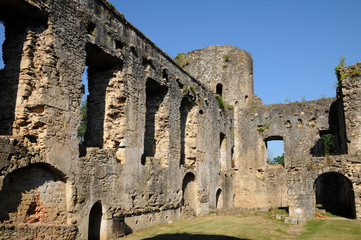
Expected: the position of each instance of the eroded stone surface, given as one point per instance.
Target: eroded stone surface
(158, 146)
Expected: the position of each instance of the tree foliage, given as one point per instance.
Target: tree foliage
(279, 159)
(329, 144)
(276, 160)
(83, 123)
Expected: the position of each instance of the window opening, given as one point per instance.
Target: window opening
(223, 151)
(156, 122)
(2, 39)
(11, 54)
(83, 106)
(275, 151)
(91, 28)
(233, 165)
(328, 142)
(219, 89)
(188, 129)
(119, 46)
(99, 71)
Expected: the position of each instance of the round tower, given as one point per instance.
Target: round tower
(226, 70)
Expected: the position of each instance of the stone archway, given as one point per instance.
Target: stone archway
(95, 219)
(35, 194)
(189, 189)
(219, 199)
(335, 193)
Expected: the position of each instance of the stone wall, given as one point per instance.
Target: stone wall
(158, 146)
(149, 124)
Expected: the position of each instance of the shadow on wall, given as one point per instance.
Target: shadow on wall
(184, 236)
(331, 141)
(21, 189)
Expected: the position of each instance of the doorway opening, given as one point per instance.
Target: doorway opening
(95, 219)
(335, 194)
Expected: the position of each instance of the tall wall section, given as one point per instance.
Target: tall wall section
(228, 72)
(310, 174)
(157, 145)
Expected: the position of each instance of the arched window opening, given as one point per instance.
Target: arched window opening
(219, 89)
(334, 193)
(223, 151)
(219, 199)
(275, 150)
(95, 219)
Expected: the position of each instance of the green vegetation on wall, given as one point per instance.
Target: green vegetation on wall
(220, 101)
(226, 57)
(83, 123)
(181, 60)
(341, 74)
(328, 144)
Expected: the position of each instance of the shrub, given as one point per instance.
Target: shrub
(219, 101)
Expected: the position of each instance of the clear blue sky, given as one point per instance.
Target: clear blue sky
(295, 44)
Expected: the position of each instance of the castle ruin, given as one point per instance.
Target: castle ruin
(158, 144)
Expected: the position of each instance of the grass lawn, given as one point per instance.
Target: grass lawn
(260, 226)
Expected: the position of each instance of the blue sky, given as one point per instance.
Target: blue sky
(295, 44)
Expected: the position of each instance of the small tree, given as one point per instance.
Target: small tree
(329, 144)
(83, 123)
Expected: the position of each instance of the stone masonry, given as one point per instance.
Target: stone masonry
(165, 138)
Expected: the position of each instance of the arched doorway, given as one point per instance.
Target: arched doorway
(95, 219)
(189, 191)
(219, 199)
(335, 193)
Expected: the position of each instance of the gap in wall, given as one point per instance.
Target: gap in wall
(83, 106)
(2, 39)
(275, 152)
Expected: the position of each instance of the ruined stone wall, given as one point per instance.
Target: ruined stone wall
(299, 126)
(349, 94)
(149, 125)
(157, 145)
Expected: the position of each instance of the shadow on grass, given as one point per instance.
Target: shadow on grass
(185, 236)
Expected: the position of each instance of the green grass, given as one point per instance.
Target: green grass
(332, 229)
(234, 227)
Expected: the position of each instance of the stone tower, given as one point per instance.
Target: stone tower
(226, 70)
